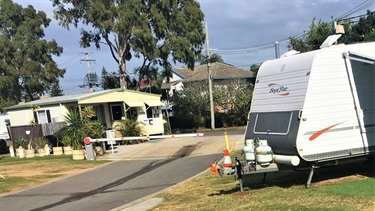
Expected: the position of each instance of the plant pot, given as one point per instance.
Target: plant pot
(78, 154)
(20, 152)
(68, 150)
(29, 153)
(118, 134)
(57, 151)
(99, 150)
(41, 152)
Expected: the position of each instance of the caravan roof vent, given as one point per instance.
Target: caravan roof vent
(330, 40)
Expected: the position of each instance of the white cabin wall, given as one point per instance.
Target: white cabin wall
(20, 117)
(56, 114)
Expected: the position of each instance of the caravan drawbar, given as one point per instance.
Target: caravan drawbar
(312, 108)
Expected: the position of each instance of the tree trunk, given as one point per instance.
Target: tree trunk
(123, 75)
(122, 66)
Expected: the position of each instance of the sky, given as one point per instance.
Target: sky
(242, 32)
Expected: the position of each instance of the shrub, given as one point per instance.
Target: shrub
(93, 129)
(128, 128)
(21, 142)
(40, 142)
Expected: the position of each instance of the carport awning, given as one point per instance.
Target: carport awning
(153, 103)
(134, 103)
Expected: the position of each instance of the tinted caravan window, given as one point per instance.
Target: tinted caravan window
(277, 123)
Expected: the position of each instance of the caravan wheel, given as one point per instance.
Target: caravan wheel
(3, 147)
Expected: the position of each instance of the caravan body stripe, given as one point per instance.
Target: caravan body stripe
(320, 132)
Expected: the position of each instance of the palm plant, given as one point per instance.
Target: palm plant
(74, 129)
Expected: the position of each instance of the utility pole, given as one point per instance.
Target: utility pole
(87, 60)
(210, 81)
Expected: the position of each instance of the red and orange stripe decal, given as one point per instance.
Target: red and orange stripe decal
(320, 132)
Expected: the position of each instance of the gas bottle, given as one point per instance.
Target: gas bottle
(248, 151)
(263, 153)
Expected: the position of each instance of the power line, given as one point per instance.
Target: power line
(67, 61)
(364, 5)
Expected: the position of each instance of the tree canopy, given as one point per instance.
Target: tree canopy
(156, 31)
(109, 80)
(191, 105)
(312, 39)
(56, 89)
(213, 58)
(355, 31)
(363, 30)
(27, 69)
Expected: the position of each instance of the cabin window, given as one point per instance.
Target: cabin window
(42, 116)
(273, 123)
(153, 112)
(149, 112)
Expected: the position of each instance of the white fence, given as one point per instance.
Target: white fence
(112, 140)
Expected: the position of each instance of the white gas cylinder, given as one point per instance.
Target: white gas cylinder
(263, 153)
(248, 150)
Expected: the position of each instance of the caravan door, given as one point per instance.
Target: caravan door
(361, 74)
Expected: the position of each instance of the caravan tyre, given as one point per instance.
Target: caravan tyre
(3, 147)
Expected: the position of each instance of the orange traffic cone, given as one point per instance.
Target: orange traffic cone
(214, 170)
(227, 160)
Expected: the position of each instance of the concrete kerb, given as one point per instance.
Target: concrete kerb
(149, 202)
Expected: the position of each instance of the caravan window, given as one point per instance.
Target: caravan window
(274, 123)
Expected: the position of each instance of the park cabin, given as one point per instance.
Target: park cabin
(109, 106)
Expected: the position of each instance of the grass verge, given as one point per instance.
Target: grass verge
(347, 187)
(25, 173)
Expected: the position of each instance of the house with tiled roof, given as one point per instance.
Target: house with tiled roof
(219, 71)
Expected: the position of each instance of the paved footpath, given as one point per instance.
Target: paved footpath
(138, 173)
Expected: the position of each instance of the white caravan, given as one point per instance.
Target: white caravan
(311, 108)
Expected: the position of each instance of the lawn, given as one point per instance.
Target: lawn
(24, 173)
(347, 187)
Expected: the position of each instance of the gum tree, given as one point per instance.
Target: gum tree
(156, 31)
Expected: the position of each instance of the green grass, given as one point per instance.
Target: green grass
(287, 192)
(364, 187)
(29, 172)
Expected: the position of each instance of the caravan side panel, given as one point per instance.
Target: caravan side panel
(329, 126)
(278, 97)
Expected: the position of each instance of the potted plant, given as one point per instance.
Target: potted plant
(66, 141)
(30, 151)
(40, 145)
(74, 132)
(21, 145)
